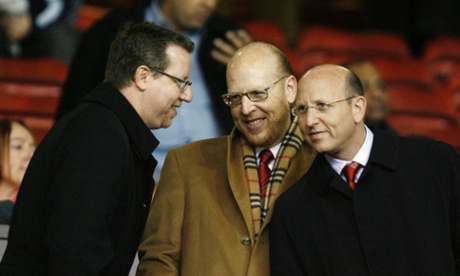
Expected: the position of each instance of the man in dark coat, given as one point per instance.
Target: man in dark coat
(84, 200)
(372, 203)
(207, 116)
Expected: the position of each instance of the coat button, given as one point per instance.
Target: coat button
(245, 240)
(144, 206)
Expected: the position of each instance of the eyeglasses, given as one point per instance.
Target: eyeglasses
(234, 99)
(319, 107)
(183, 84)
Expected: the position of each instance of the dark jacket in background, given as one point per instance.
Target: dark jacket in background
(6, 208)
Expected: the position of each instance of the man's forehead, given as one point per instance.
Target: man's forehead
(319, 89)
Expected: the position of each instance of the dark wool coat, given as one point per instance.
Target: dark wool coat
(403, 217)
(82, 206)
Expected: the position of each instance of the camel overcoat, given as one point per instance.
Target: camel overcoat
(200, 221)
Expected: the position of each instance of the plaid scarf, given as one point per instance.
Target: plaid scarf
(260, 204)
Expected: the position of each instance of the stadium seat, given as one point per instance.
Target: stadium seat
(411, 101)
(356, 43)
(28, 99)
(322, 44)
(267, 31)
(88, 15)
(410, 72)
(33, 70)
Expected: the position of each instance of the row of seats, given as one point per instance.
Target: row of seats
(317, 43)
(30, 90)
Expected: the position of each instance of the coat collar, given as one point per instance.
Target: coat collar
(144, 142)
(384, 153)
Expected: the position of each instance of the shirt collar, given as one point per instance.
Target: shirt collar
(362, 156)
(275, 149)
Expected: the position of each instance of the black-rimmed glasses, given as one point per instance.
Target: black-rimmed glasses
(319, 107)
(235, 98)
(183, 84)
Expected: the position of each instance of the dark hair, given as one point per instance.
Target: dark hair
(139, 44)
(354, 85)
(6, 126)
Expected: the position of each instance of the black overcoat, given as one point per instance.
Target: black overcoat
(403, 217)
(84, 200)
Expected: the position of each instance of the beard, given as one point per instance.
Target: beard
(273, 133)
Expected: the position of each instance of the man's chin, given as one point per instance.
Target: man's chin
(166, 124)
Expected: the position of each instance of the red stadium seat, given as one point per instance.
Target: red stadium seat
(358, 44)
(415, 125)
(409, 73)
(88, 15)
(267, 31)
(321, 44)
(403, 100)
(442, 47)
(36, 70)
(29, 99)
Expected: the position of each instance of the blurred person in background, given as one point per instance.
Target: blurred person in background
(17, 145)
(216, 39)
(39, 28)
(375, 92)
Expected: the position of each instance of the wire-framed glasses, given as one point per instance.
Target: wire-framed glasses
(256, 95)
(183, 84)
(318, 107)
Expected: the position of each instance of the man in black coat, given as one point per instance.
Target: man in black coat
(207, 116)
(397, 213)
(84, 200)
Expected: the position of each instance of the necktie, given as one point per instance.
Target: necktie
(264, 171)
(350, 173)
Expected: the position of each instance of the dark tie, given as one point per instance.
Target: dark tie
(350, 173)
(264, 171)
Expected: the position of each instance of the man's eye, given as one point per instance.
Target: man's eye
(256, 94)
(322, 106)
(302, 109)
(234, 97)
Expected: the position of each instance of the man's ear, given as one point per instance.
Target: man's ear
(291, 89)
(141, 77)
(359, 108)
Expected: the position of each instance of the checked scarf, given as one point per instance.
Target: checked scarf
(260, 204)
